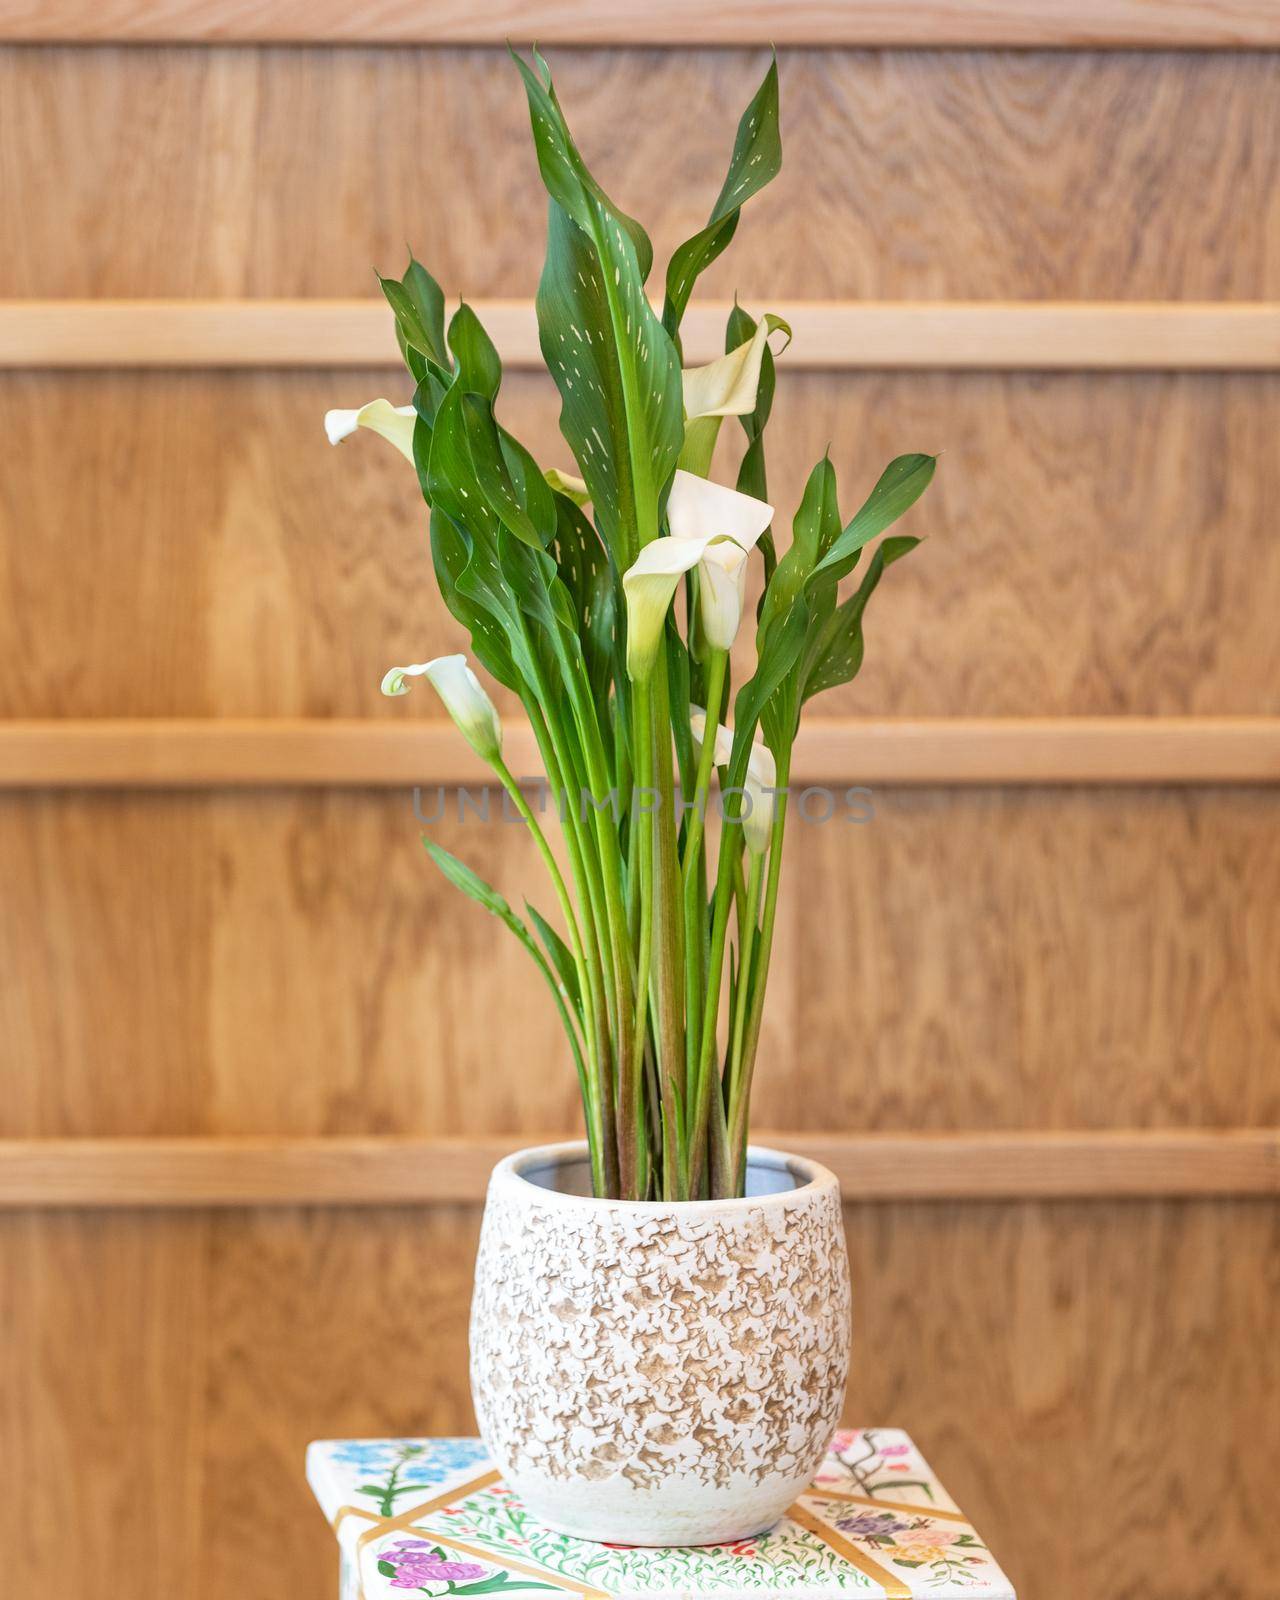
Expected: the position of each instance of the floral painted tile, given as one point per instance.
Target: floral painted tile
(432, 1516)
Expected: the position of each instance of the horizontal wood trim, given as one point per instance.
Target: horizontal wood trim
(829, 334)
(393, 1171)
(1045, 23)
(273, 752)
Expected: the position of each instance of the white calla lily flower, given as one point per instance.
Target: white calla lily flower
(464, 699)
(761, 780)
(727, 387)
(394, 423)
(713, 529)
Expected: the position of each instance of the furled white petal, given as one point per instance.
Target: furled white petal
(696, 507)
(761, 780)
(566, 484)
(394, 423)
(464, 699)
(722, 591)
(727, 387)
(649, 584)
(724, 739)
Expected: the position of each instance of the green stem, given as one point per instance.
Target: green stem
(748, 918)
(549, 861)
(571, 922)
(617, 935)
(642, 828)
(585, 870)
(668, 966)
(700, 1088)
(746, 1067)
(694, 873)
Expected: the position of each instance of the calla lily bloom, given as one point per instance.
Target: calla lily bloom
(464, 699)
(727, 387)
(394, 423)
(713, 529)
(761, 780)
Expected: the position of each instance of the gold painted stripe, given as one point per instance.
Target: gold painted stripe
(894, 1587)
(820, 1493)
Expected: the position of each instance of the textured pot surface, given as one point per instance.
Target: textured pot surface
(649, 1373)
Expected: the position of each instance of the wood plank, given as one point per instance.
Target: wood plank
(1095, 545)
(165, 753)
(343, 1171)
(830, 335)
(1199, 24)
(973, 164)
(289, 962)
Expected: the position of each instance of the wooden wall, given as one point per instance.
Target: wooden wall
(269, 958)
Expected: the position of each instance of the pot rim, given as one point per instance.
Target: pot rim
(814, 1179)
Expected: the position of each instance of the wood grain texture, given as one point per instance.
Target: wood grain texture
(829, 335)
(182, 1173)
(226, 752)
(1058, 958)
(276, 964)
(971, 959)
(1188, 24)
(1030, 1349)
(1094, 546)
(911, 175)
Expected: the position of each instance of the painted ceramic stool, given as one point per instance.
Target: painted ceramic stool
(433, 1516)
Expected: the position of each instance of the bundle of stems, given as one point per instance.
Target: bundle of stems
(607, 599)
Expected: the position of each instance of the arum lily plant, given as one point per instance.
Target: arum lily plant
(607, 596)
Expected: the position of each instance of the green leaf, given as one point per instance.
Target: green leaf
(560, 954)
(473, 568)
(837, 652)
(617, 371)
(756, 159)
(816, 526)
(622, 407)
(471, 883)
(776, 662)
(418, 303)
(499, 1581)
(565, 174)
(451, 554)
(479, 366)
(583, 564)
(900, 485)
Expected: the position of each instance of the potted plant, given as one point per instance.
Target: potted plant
(661, 1315)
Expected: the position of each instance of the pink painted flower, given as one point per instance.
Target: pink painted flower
(927, 1537)
(843, 1441)
(417, 1562)
(896, 1450)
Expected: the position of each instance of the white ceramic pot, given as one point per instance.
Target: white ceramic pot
(653, 1373)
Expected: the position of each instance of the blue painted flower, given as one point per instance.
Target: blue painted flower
(426, 1461)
